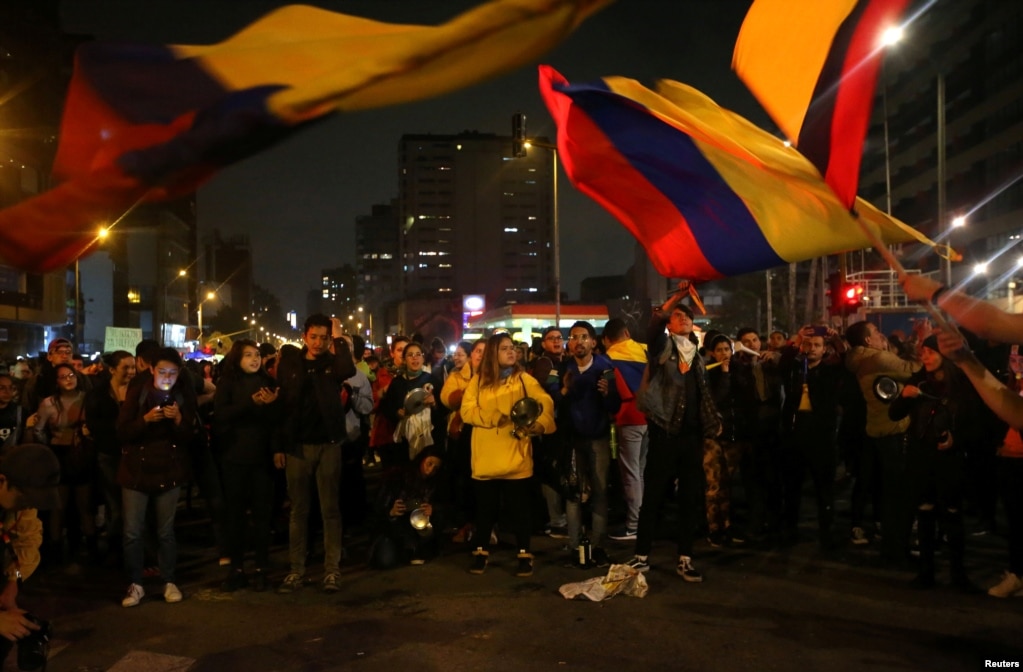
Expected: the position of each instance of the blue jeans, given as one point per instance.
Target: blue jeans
(135, 504)
(322, 461)
(632, 450)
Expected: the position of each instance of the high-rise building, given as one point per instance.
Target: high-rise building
(378, 267)
(964, 58)
(474, 219)
(228, 264)
(338, 293)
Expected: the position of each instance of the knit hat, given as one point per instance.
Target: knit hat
(931, 342)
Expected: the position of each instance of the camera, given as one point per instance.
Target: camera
(820, 331)
(34, 649)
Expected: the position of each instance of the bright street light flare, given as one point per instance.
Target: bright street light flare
(891, 35)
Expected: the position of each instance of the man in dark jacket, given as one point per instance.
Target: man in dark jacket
(312, 432)
(814, 374)
(586, 397)
(680, 415)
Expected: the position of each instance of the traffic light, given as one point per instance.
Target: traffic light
(518, 135)
(852, 297)
(845, 297)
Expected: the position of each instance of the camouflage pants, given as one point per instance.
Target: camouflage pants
(721, 461)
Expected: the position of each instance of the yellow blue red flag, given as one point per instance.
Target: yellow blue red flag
(706, 192)
(813, 65)
(146, 122)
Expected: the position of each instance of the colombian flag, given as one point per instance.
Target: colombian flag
(813, 65)
(707, 193)
(145, 123)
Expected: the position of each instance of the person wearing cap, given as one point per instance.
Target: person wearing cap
(60, 351)
(29, 476)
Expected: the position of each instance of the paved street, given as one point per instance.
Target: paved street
(757, 610)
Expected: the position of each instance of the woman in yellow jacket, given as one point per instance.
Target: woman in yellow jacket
(502, 463)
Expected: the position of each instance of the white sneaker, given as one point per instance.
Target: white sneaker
(1011, 585)
(171, 593)
(134, 596)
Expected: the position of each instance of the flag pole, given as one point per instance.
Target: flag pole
(896, 265)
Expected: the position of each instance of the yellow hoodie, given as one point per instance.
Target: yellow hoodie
(496, 454)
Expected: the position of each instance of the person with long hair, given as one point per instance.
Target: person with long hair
(102, 406)
(245, 417)
(502, 455)
(412, 431)
(468, 357)
(155, 426)
(409, 494)
(939, 406)
(58, 424)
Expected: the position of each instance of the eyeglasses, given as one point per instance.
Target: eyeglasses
(66, 376)
(556, 339)
(579, 337)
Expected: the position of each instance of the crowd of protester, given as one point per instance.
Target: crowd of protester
(492, 439)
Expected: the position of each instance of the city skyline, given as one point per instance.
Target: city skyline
(299, 201)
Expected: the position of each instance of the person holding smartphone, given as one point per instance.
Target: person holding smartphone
(245, 418)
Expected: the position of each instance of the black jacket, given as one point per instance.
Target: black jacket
(328, 372)
(246, 431)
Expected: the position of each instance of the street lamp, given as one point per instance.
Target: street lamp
(166, 288)
(369, 332)
(209, 296)
(555, 233)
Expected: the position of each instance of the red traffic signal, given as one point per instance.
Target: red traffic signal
(852, 296)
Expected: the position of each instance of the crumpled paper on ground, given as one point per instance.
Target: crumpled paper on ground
(620, 579)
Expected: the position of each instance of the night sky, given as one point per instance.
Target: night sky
(298, 202)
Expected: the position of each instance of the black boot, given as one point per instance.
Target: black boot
(955, 531)
(926, 530)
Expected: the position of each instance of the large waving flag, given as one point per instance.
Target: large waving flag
(707, 193)
(813, 65)
(150, 122)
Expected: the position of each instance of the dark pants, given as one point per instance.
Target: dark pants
(763, 469)
(515, 497)
(896, 505)
(866, 469)
(671, 456)
(248, 487)
(937, 480)
(814, 452)
(1010, 484)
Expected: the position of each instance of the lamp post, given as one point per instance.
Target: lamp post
(181, 274)
(555, 225)
(369, 332)
(209, 296)
(101, 235)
